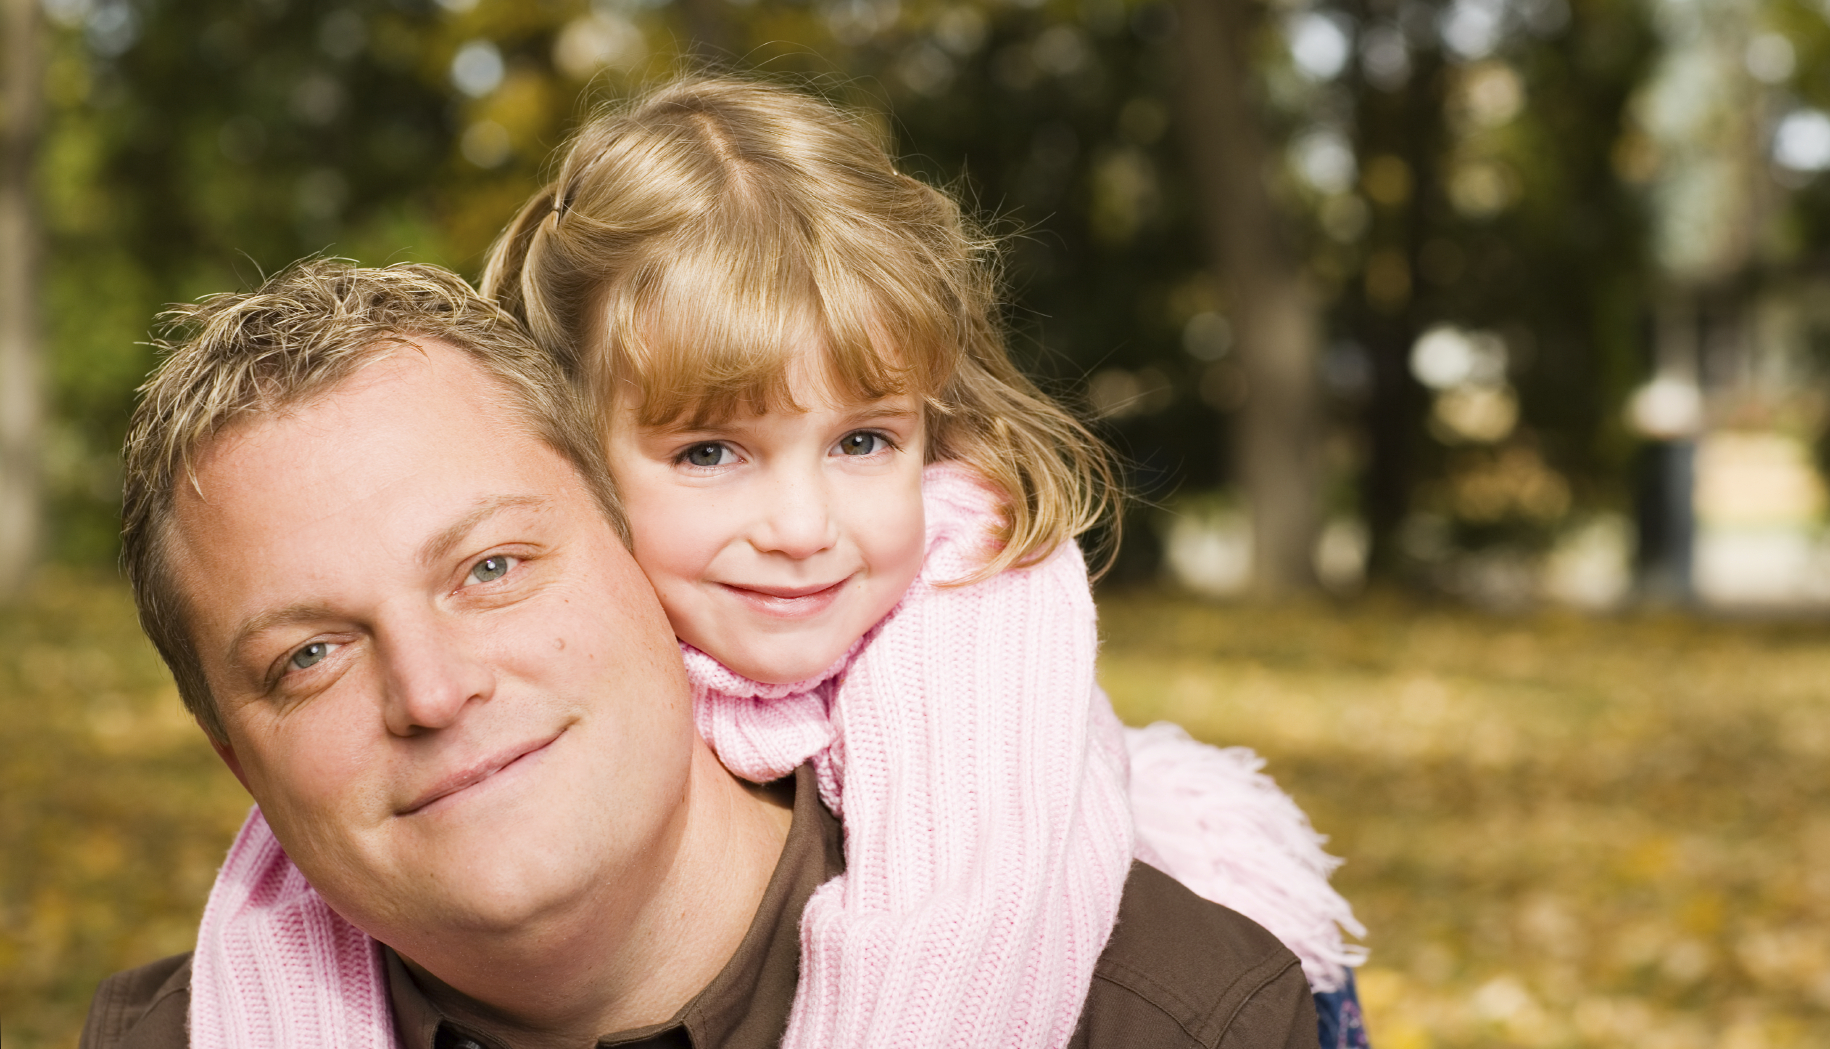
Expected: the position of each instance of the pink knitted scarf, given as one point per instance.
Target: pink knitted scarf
(981, 777)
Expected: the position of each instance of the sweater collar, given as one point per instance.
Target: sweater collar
(708, 675)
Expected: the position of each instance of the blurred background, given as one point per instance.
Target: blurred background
(1518, 301)
(1469, 356)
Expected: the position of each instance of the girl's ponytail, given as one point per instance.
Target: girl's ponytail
(508, 255)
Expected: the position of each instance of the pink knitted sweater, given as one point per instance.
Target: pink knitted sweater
(982, 780)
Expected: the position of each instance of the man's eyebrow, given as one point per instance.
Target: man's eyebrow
(264, 621)
(430, 551)
(438, 545)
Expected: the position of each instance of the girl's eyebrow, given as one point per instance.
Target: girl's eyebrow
(863, 413)
(682, 429)
(881, 410)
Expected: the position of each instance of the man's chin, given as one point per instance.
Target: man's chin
(475, 865)
(492, 891)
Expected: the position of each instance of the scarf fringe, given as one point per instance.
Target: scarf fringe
(1220, 826)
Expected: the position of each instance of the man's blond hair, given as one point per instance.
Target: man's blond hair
(232, 358)
(699, 239)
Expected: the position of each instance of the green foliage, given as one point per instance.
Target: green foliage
(190, 148)
(193, 146)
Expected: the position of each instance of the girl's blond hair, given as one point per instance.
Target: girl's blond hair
(699, 239)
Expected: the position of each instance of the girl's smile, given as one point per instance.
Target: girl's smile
(775, 540)
(788, 601)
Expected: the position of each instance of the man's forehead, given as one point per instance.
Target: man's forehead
(400, 378)
(379, 363)
(399, 460)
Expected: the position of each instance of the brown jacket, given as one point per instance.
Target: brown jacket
(1178, 972)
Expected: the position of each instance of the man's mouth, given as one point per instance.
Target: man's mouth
(477, 772)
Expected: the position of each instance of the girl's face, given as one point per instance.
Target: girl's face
(777, 540)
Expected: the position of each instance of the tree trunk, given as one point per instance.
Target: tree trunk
(1271, 304)
(1407, 124)
(20, 408)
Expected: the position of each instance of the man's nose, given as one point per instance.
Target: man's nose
(430, 675)
(798, 519)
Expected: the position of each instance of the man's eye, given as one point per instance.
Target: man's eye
(863, 442)
(490, 569)
(706, 455)
(311, 655)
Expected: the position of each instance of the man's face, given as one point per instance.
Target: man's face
(444, 680)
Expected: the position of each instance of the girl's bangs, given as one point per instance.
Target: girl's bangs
(717, 334)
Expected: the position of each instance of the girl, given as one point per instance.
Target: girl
(860, 517)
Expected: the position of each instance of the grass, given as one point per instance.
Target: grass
(1560, 831)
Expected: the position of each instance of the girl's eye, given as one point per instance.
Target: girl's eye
(862, 442)
(490, 569)
(706, 455)
(310, 656)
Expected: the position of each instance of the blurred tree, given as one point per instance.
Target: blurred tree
(21, 413)
(1276, 316)
(1485, 200)
(192, 147)
(1447, 167)
(711, 30)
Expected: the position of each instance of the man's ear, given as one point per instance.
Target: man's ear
(226, 752)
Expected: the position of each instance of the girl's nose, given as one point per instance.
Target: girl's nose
(799, 522)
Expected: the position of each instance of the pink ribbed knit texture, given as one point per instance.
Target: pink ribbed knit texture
(275, 966)
(981, 777)
(763, 732)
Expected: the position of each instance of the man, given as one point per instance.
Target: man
(369, 529)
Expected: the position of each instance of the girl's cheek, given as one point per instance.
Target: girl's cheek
(676, 557)
(911, 548)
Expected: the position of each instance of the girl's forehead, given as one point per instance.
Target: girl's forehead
(685, 386)
(817, 377)
(888, 409)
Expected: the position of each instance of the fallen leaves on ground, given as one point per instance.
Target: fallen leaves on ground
(1560, 831)
(114, 812)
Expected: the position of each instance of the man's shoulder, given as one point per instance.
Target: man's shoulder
(144, 1008)
(1181, 971)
